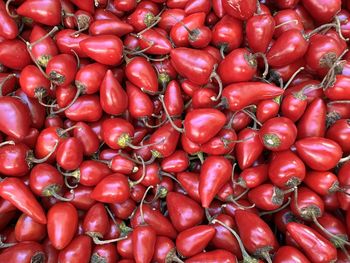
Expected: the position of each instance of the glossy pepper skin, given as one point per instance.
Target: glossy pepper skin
(15, 117)
(143, 243)
(255, 233)
(24, 252)
(16, 192)
(215, 172)
(62, 224)
(314, 245)
(319, 153)
(193, 240)
(203, 124)
(239, 95)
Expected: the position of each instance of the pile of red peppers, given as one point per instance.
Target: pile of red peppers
(159, 131)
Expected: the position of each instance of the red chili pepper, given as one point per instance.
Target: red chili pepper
(27, 229)
(256, 235)
(81, 198)
(95, 47)
(190, 183)
(155, 219)
(253, 176)
(44, 49)
(193, 240)
(110, 27)
(16, 192)
(163, 247)
(286, 169)
(314, 245)
(289, 253)
(24, 252)
(227, 34)
(278, 134)
(183, 211)
(287, 19)
(267, 109)
(113, 188)
(239, 95)
(181, 31)
(175, 163)
(215, 172)
(313, 121)
(196, 65)
(339, 90)
(143, 243)
(203, 124)
(62, 224)
(260, 29)
(106, 252)
(113, 97)
(266, 197)
(223, 239)
(79, 250)
(164, 140)
(249, 149)
(16, 117)
(339, 132)
(8, 28)
(46, 12)
(319, 153)
(140, 73)
(124, 248)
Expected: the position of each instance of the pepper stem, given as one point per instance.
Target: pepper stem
(338, 29)
(68, 185)
(345, 159)
(61, 198)
(236, 198)
(133, 183)
(296, 200)
(32, 159)
(242, 207)
(52, 31)
(267, 257)
(77, 94)
(293, 77)
(7, 143)
(171, 176)
(172, 257)
(137, 52)
(329, 79)
(218, 80)
(287, 22)
(252, 116)
(9, 76)
(276, 210)
(245, 254)
(233, 174)
(98, 241)
(338, 101)
(320, 28)
(7, 6)
(145, 121)
(151, 25)
(142, 202)
(263, 56)
(136, 147)
(161, 99)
